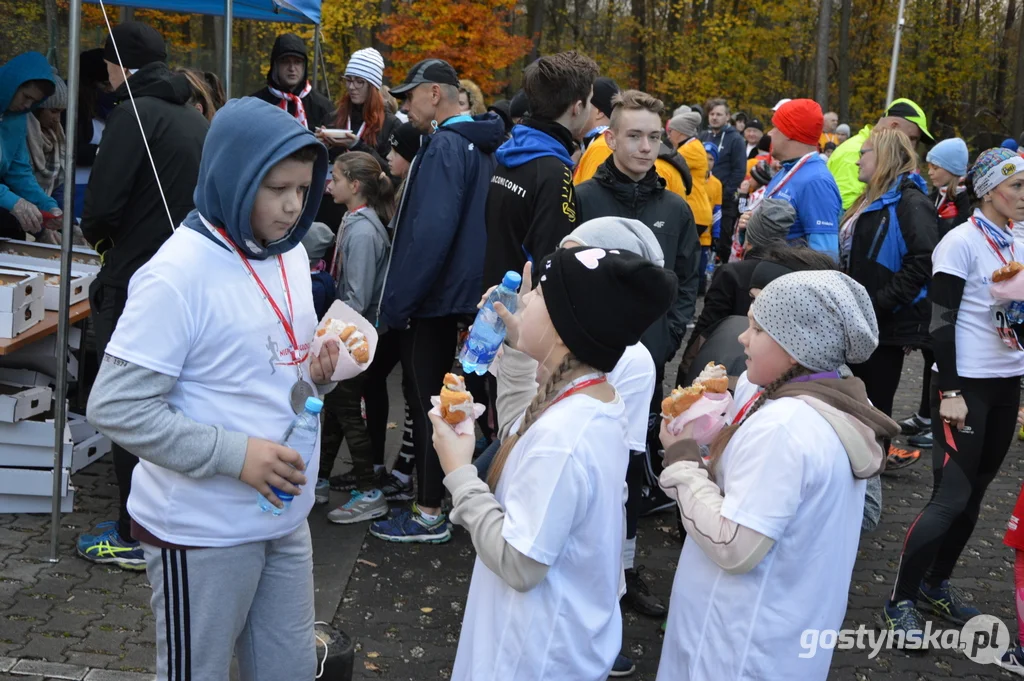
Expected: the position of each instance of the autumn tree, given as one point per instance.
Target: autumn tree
(471, 35)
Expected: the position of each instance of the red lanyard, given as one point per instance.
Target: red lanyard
(995, 247)
(578, 387)
(743, 412)
(788, 176)
(286, 323)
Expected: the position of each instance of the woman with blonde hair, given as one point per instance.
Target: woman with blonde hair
(201, 97)
(886, 243)
(474, 96)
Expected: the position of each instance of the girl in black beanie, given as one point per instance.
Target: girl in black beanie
(548, 524)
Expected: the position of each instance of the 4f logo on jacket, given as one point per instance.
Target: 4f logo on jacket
(568, 200)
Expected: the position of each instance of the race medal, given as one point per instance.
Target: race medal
(298, 395)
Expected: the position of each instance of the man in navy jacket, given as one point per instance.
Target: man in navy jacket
(435, 271)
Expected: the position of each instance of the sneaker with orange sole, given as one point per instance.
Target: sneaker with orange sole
(901, 458)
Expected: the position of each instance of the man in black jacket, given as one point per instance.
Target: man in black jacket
(129, 212)
(730, 169)
(288, 86)
(531, 203)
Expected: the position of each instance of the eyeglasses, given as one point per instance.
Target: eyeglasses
(354, 82)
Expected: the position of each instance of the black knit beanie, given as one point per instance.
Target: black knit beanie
(137, 43)
(601, 301)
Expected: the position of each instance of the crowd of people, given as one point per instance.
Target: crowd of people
(228, 228)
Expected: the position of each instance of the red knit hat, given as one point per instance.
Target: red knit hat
(800, 120)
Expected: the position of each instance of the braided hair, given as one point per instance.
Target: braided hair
(721, 441)
(541, 401)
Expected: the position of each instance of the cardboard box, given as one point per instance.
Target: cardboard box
(23, 319)
(18, 287)
(20, 503)
(79, 428)
(40, 356)
(80, 283)
(18, 403)
(25, 255)
(25, 377)
(29, 444)
(88, 451)
(32, 481)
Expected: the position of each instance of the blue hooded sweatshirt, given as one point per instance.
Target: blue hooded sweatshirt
(247, 138)
(17, 181)
(528, 144)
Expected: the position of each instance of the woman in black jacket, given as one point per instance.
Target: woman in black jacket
(886, 244)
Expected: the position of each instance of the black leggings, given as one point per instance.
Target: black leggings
(635, 485)
(926, 383)
(881, 375)
(962, 467)
(375, 394)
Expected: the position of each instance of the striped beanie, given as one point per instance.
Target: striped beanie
(368, 65)
(59, 98)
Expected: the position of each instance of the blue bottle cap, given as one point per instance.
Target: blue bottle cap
(512, 280)
(314, 405)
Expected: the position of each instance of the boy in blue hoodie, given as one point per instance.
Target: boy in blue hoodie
(531, 204)
(25, 81)
(206, 370)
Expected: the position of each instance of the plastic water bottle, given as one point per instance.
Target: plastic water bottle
(488, 330)
(709, 271)
(300, 436)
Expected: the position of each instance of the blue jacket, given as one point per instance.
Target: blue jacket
(731, 166)
(247, 138)
(891, 257)
(17, 181)
(813, 192)
(440, 234)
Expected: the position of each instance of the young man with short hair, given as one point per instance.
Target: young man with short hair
(730, 169)
(531, 203)
(288, 85)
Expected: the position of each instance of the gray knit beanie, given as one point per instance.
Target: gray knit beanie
(686, 123)
(770, 221)
(823, 319)
(619, 233)
(59, 98)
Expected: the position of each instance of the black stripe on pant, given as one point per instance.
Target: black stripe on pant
(177, 615)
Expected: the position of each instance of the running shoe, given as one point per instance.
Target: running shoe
(639, 597)
(914, 425)
(109, 549)
(623, 667)
(1013, 660)
(921, 440)
(947, 601)
(322, 491)
(101, 528)
(396, 490)
(367, 505)
(346, 482)
(408, 526)
(901, 458)
(904, 617)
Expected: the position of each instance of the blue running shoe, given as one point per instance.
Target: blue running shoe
(903, 616)
(623, 667)
(101, 528)
(409, 526)
(109, 549)
(1013, 660)
(948, 602)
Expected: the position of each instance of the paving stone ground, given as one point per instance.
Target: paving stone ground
(403, 604)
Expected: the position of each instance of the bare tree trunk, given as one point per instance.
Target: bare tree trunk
(53, 29)
(386, 9)
(639, 9)
(1002, 64)
(1018, 88)
(974, 81)
(844, 60)
(821, 54)
(535, 20)
(675, 27)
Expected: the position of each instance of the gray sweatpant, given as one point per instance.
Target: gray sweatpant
(253, 600)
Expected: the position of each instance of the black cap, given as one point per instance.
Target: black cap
(601, 301)
(427, 71)
(754, 123)
(519, 106)
(137, 43)
(406, 141)
(504, 111)
(604, 90)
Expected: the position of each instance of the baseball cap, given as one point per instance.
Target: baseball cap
(910, 111)
(778, 105)
(427, 71)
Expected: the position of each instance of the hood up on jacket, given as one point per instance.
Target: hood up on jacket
(535, 139)
(486, 131)
(843, 402)
(247, 138)
(288, 43)
(18, 71)
(672, 157)
(156, 80)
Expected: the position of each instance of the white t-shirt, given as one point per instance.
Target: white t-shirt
(964, 252)
(562, 493)
(786, 475)
(634, 378)
(194, 313)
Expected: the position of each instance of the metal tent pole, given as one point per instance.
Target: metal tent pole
(316, 57)
(229, 16)
(63, 323)
(890, 94)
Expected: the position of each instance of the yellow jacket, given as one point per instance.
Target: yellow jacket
(599, 151)
(697, 160)
(714, 190)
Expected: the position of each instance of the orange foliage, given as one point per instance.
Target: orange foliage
(471, 35)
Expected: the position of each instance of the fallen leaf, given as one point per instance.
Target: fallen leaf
(366, 562)
(392, 425)
(426, 610)
(373, 655)
(371, 666)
